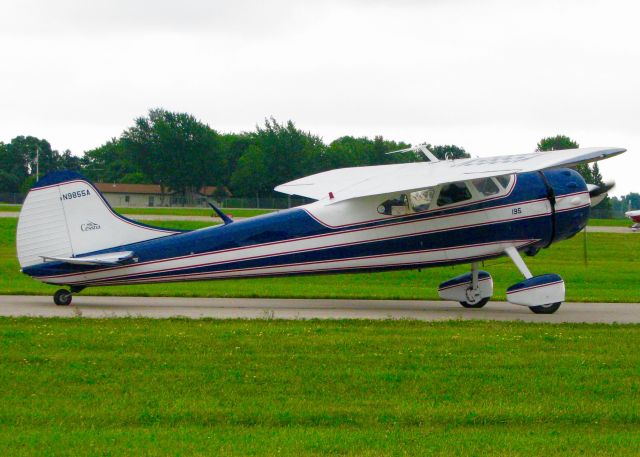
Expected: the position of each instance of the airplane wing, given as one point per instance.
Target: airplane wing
(111, 258)
(348, 183)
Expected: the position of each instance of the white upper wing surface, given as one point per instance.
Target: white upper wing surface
(347, 183)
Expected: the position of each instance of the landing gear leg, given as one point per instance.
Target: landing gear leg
(517, 259)
(474, 298)
(542, 294)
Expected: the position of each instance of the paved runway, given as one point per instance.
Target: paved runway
(263, 308)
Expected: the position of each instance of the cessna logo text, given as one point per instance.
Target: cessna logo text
(76, 194)
(89, 226)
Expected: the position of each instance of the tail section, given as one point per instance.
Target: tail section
(64, 215)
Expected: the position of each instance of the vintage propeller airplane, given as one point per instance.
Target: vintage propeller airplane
(402, 216)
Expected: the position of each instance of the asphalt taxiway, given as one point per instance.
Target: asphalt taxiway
(277, 308)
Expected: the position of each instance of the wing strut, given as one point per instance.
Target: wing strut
(419, 148)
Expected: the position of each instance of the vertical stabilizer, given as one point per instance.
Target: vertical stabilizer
(64, 215)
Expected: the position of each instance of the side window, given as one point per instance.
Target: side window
(504, 180)
(453, 193)
(420, 200)
(486, 186)
(394, 206)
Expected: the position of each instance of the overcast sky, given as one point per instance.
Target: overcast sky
(491, 76)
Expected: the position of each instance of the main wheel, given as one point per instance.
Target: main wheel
(480, 304)
(546, 309)
(62, 297)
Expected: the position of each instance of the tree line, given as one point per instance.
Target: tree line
(183, 154)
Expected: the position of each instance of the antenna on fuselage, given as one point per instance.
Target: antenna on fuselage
(419, 148)
(226, 219)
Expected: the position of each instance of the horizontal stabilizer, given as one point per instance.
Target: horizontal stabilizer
(111, 258)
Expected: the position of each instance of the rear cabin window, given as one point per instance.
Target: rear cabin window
(453, 193)
(486, 186)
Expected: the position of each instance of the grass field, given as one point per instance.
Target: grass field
(179, 387)
(610, 222)
(611, 275)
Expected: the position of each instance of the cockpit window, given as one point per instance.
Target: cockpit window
(430, 198)
(453, 193)
(486, 186)
(420, 200)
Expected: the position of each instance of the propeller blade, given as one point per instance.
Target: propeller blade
(599, 193)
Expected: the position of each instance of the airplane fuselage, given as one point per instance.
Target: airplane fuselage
(538, 209)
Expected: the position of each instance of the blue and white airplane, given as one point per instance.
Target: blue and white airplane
(386, 217)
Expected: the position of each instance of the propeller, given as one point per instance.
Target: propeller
(599, 193)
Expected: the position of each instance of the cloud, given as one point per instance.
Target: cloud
(493, 76)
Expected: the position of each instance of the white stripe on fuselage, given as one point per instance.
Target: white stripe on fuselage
(572, 201)
(424, 257)
(505, 213)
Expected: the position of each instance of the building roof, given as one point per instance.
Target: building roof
(147, 189)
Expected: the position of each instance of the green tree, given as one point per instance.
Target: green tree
(13, 162)
(250, 178)
(67, 161)
(448, 151)
(27, 150)
(348, 151)
(278, 153)
(9, 182)
(555, 143)
(134, 178)
(233, 146)
(595, 174)
(109, 163)
(174, 150)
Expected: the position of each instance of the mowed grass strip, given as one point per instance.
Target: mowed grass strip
(205, 387)
(610, 222)
(10, 208)
(612, 274)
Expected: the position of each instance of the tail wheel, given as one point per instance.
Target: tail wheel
(480, 304)
(62, 297)
(545, 309)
